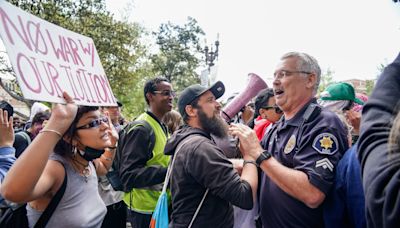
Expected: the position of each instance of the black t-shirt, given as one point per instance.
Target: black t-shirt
(314, 148)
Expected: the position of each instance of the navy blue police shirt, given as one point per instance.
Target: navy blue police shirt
(313, 147)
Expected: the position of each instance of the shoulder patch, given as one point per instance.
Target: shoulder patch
(325, 143)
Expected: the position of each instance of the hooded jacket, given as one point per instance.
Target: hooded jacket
(199, 165)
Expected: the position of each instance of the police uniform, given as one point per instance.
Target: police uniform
(312, 141)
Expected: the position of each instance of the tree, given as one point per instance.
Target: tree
(117, 42)
(180, 53)
(326, 80)
(369, 84)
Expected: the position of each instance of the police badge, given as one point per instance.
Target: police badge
(290, 144)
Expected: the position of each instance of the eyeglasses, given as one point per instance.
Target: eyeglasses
(275, 107)
(94, 123)
(166, 93)
(285, 73)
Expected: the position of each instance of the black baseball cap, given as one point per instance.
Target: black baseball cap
(192, 92)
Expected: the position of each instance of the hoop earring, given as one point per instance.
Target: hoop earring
(74, 151)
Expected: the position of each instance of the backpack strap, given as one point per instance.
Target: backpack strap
(189, 139)
(46, 215)
(114, 175)
(198, 208)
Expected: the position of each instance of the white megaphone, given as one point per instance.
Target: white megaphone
(255, 85)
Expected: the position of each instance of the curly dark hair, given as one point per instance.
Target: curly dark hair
(63, 147)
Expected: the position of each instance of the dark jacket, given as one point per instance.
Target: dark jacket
(380, 168)
(200, 165)
(344, 206)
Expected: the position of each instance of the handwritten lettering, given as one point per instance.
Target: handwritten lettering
(49, 60)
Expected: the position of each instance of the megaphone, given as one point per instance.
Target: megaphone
(255, 85)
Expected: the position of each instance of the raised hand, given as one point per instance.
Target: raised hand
(248, 141)
(6, 129)
(112, 131)
(62, 115)
(354, 119)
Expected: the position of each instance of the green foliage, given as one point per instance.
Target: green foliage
(124, 58)
(180, 53)
(369, 84)
(117, 42)
(326, 80)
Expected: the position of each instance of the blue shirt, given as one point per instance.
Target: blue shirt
(345, 204)
(7, 159)
(313, 147)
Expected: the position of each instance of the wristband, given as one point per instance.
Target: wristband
(51, 130)
(249, 162)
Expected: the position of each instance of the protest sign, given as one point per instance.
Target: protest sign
(48, 60)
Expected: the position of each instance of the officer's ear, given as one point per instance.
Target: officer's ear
(311, 80)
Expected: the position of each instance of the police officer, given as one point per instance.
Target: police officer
(301, 151)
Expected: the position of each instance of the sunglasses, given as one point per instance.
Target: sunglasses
(166, 93)
(94, 123)
(275, 107)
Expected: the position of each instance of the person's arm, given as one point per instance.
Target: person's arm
(303, 182)
(380, 167)
(313, 170)
(33, 175)
(7, 157)
(249, 145)
(293, 182)
(133, 158)
(207, 164)
(237, 164)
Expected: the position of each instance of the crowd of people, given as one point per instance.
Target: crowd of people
(298, 160)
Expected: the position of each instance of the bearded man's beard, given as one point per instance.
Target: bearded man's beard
(214, 125)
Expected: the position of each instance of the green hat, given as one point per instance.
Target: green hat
(340, 91)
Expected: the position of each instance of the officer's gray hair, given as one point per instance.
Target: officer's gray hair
(306, 63)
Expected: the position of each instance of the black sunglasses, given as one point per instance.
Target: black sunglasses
(275, 107)
(94, 123)
(166, 93)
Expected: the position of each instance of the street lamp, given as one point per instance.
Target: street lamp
(211, 55)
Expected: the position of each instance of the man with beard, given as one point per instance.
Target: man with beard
(204, 183)
(142, 167)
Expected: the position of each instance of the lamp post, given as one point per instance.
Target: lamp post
(211, 55)
(208, 75)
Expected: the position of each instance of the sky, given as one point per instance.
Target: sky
(352, 38)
